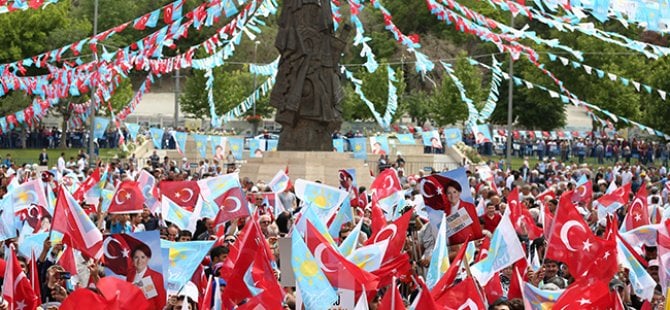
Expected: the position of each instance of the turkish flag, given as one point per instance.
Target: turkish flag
(377, 218)
(520, 216)
(463, 295)
(583, 193)
(340, 272)
(117, 252)
(183, 193)
(597, 296)
(35, 4)
(79, 230)
(108, 296)
(385, 184)
(127, 199)
(392, 299)
(16, 288)
(448, 278)
(85, 186)
(232, 205)
(363, 199)
(395, 233)
(638, 214)
(398, 267)
(571, 240)
(425, 300)
(141, 23)
(493, 289)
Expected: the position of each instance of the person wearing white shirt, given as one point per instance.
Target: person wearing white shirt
(61, 163)
(626, 177)
(81, 163)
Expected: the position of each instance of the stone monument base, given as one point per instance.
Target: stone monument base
(307, 135)
(311, 166)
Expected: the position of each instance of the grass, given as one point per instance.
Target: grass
(31, 156)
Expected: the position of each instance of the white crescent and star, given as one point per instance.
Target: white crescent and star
(564, 233)
(189, 192)
(392, 227)
(238, 203)
(318, 253)
(118, 194)
(105, 247)
(422, 187)
(388, 181)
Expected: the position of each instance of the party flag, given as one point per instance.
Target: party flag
(316, 291)
(439, 260)
(184, 259)
(157, 137)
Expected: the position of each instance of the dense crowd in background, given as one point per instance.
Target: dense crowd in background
(637, 162)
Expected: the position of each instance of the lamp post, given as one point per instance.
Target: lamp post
(176, 97)
(91, 115)
(255, 124)
(510, 103)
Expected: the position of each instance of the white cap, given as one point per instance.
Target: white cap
(190, 290)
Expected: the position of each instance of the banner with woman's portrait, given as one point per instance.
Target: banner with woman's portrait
(138, 259)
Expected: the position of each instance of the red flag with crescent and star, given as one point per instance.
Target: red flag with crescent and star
(183, 193)
(71, 220)
(16, 288)
(84, 187)
(395, 233)
(341, 273)
(232, 205)
(116, 250)
(572, 242)
(638, 213)
(521, 217)
(128, 198)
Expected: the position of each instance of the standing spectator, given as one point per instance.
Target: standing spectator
(491, 218)
(44, 158)
(61, 163)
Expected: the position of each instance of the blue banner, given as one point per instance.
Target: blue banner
(237, 146)
(133, 129)
(201, 144)
(359, 147)
(100, 127)
(380, 145)
(452, 136)
(157, 137)
(432, 139)
(406, 138)
(255, 149)
(338, 145)
(180, 139)
(272, 145)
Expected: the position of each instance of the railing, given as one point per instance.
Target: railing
(413, 167)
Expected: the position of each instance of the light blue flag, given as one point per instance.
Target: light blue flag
(133, 129)
(180, 139)
(209, 210)
(452, 136)
(153, 19)
(30, 242)
(201, 144)
(539, 299)
(229, 8)
(316, 291)
(505, 249)
(107, 196)
(439, 260)
(254, 148)
(157, 137)
(272, 145)
(349, 244)
(344, 215)
(175, 214)
(405, 138)
(215, 141)
(213, 187)
(308, 214)
(359, 147)
(237, 146)
(643, 284)
(184, 258)
(101, 124)
(7, 223)
(338, 145)
(428, 136)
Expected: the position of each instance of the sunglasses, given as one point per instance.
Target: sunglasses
(265, 222)
(229, 240)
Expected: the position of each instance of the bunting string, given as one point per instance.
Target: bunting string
(613, 77)
(566, 100)
(473, 114)
(360, 38)
(492, 99)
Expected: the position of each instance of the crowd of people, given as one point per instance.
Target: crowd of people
(490, 187)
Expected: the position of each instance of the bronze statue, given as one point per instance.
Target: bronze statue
(307, 92)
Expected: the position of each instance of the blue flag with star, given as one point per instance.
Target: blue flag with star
(452, 136)
(359, 147)
(184, 258)
(405, 138)
(175, 214)
(101, 124)
(157, 137)
(201, 144)
(237, 146)
(133, 129)
(338, 145)
(316, 291)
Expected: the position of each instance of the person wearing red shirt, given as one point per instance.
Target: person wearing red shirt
(491, 218)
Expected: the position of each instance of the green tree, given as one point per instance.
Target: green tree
(446, 105)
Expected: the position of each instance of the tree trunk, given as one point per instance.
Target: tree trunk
(63, 136)
(22, 137)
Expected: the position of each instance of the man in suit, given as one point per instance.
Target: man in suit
(44, 158)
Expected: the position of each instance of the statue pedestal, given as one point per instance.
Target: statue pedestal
(311, 166)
